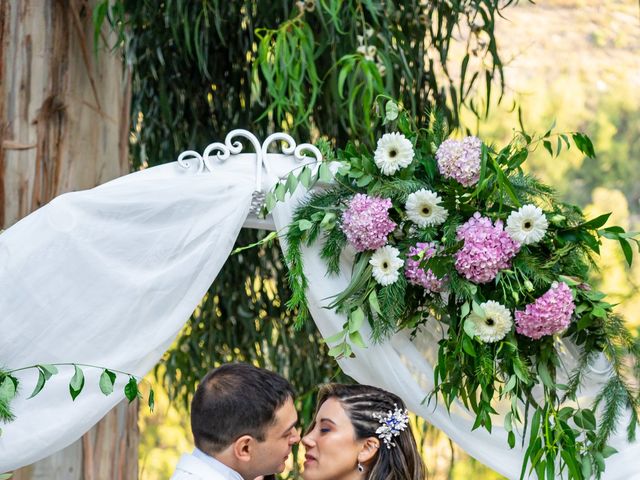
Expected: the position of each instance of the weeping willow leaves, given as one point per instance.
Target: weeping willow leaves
(202, 68)
(287, 65)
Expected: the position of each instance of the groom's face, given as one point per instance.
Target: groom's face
(273, 452)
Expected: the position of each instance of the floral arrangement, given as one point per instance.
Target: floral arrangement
(455, 231)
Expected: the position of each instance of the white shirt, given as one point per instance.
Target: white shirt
(200, 466)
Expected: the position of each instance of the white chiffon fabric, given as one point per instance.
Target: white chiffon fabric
(109, 276)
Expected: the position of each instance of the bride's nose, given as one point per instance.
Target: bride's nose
(308, 441)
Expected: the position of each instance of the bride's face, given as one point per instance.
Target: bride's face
(331, 446)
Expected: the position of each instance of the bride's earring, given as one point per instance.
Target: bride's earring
(360, 467)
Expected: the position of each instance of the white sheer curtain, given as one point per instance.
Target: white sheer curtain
(109, 276)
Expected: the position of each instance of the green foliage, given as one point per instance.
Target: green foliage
(9, 384)
(562, 441)
(201, 68)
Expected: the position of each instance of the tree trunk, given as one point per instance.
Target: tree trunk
(65, 127)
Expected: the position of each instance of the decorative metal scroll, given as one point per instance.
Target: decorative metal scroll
(221, 152)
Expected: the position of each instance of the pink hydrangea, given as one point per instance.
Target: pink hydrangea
(460, 160)
(549, 314)
(420, 276)
(366, 222)
(487, 249)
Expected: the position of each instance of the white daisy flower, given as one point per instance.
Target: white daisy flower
(527, 225)
(491, 322)
(423, 208)
(386, 263)
(394, 151)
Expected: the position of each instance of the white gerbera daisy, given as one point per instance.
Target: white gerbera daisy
(527, 225)
(423, 208)
(386, 263)
(491, 322)
(394, 151)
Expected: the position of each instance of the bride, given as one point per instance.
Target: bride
(360, 432)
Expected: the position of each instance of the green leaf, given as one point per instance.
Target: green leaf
(280, 192)
(356, 320)
(470, 328)
(607, 451)
(270, 201)
(77, 382)
(152, 399)
(40, 384)
(547, 147)
(464, 310)
(584, 144)
(467, 346)
(627, 250)
(364, 180)
(374, 303)
(391, 111)
(292, 183)
(510, 384)
(356, 339)
(131, 389)
(305, 177)
(107, 379)
(511, 439)
(48, 370)
(586, 467)
(335, 337)
(5, 476)
(545, 376)
(304, 225)
(7, 390)
(521, 372)
(337, 351)
(597, 222)
(324, 173)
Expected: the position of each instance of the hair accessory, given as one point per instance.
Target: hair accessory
(393, 422)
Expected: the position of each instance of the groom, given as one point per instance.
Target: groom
(244, 425)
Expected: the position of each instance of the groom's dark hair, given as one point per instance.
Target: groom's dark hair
(233, 400)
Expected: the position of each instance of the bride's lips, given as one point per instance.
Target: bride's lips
(309, 459)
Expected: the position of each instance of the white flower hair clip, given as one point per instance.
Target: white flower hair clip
(393, 422)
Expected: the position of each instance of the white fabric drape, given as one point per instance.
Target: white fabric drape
(109, 276)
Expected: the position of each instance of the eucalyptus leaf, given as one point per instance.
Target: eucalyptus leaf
(40, 383)
(131, 389)
(48, 370)
(77, 382)
(107, 380)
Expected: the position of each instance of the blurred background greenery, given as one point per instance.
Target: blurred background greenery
(250, 64)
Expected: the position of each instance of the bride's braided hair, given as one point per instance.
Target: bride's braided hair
(362, 402)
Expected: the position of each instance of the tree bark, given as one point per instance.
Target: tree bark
(64, 126)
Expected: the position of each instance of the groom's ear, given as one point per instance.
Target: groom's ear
(242, 448)
(369, 449)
